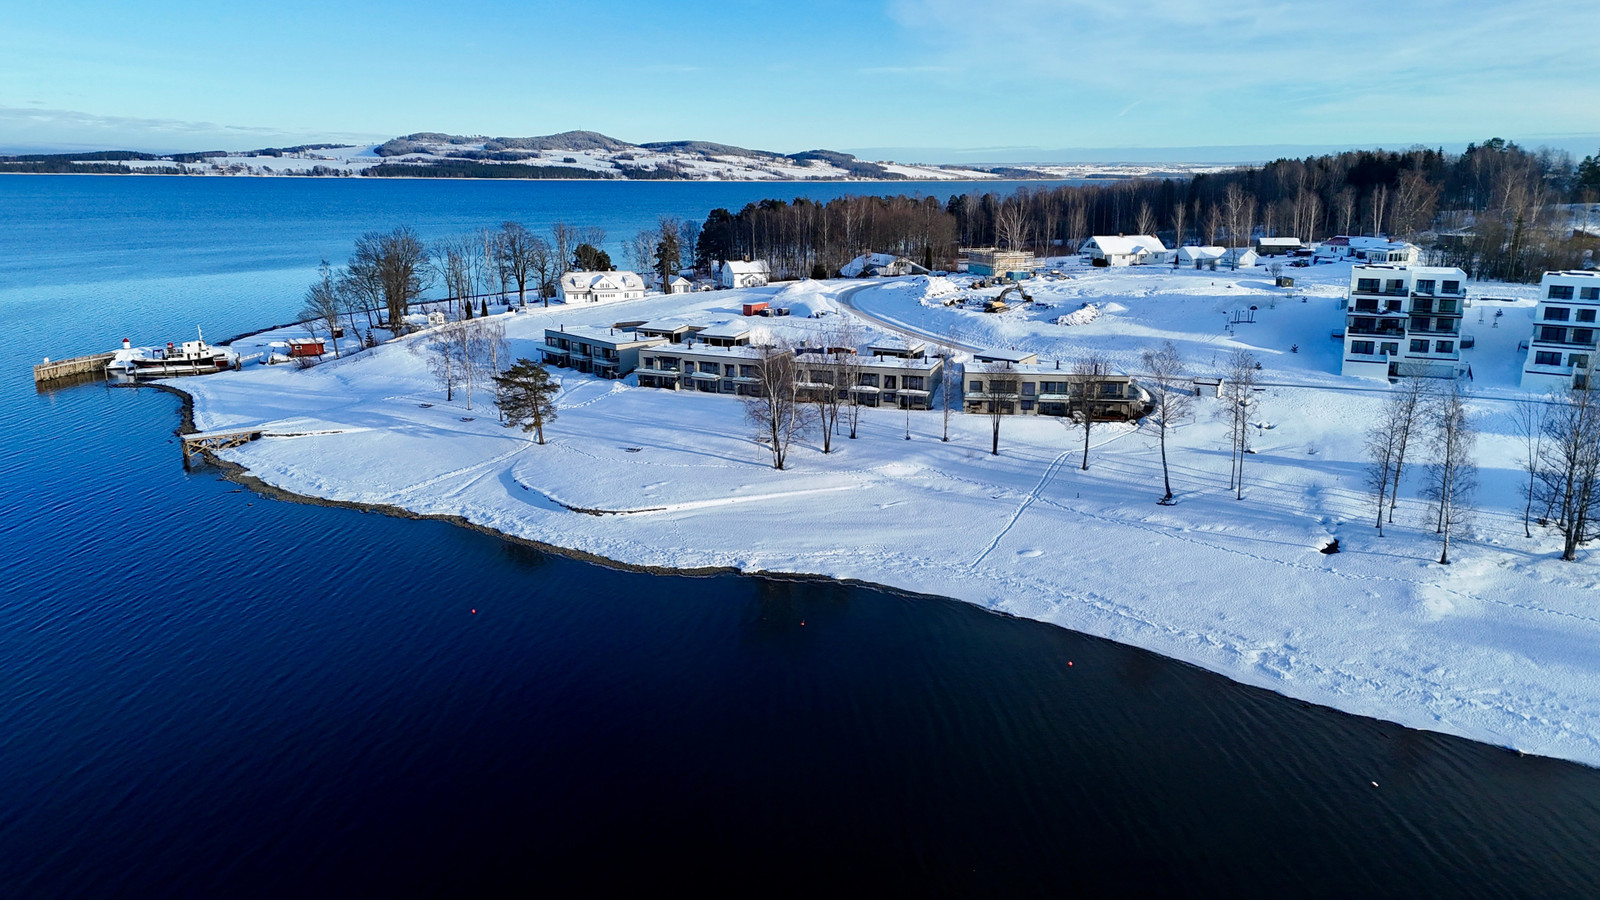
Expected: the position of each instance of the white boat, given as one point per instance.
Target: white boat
(189, 358)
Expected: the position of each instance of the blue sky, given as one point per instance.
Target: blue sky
(914, 80)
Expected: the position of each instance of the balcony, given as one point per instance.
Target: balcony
(1383, 329)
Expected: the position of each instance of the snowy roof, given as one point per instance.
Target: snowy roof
(1208, 252)
(706, 350)
(896, 345)
(728, 329)
(1122, 246)
(601, 281)
(664, 326)
(925, 364)
(1278, 242)
(595, 334)
(738, 267)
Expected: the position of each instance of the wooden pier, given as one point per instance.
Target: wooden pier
(203, 441)
(78, 366)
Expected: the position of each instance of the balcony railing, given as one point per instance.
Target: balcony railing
(1390, 331)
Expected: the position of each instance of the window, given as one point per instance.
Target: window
(1419, 324)
(1556, 313)
(1552, 334)
(1452, 287)
(747, 372)
(1394, 286)
(888, 382)
(913, 382)
(1444, 346)
(1110, 389)
(870, 379)
(1364, 325)
(1027, 389)
(1578, 360)
(1583, 335)
(1367, 285)
(1389, 348)
(1586, 315)
(1425, 286)
(1560, 292)
(1546, 358)
(1366, 305)
(1419, 347)
(1361, 348)
(975, 386)
(1027, 406)
(1590, 293)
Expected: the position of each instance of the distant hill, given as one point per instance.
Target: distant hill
(569, 154)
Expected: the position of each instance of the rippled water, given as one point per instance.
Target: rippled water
(207, 693)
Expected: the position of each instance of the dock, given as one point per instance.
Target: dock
(203, 441)
(93, 364)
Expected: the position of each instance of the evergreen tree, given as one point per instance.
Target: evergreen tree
(587, 258)
(484, 310)
(526, 396)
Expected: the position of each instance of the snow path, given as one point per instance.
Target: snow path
(1501, 646)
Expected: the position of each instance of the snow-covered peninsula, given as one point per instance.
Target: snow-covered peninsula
(1499, 646)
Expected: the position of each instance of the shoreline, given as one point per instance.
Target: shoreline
(241, 475)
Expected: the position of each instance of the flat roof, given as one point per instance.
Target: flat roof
(1014, 356)
(728, 329)
(599, 335)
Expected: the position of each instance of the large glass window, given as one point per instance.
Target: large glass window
(1419, 347)
(1556, 313)
(1361, 348)
(1552, 334)
(1560, 292)
(1546, 358)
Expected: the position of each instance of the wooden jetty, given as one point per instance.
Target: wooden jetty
(93, 364)
(202, 441)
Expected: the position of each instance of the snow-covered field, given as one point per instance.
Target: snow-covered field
(1501, 646)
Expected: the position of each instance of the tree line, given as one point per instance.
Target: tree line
(1496, 210)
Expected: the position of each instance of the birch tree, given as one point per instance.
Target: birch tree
(1452, 472)
(1238, 398)
(1173, 399)
(1527, 419)
(1088, 374)
(1410, 398)
(515, 253)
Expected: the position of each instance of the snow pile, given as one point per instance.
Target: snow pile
(1499, 646)
(807, 299)
(1082, 316)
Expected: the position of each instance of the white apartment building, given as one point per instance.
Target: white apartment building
(1565, 334)
(1404, 316)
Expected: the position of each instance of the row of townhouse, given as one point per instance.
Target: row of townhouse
(1404, 318)
(721, 360)
(1565, 334)
(1015, 382)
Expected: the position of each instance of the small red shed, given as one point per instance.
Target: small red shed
(755, 309)
(305, 347)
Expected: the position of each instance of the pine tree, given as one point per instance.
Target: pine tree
(484, 310)
(526, 396)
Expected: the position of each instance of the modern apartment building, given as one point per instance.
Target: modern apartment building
(607, 352)
(1404, 318)
(1565, 333)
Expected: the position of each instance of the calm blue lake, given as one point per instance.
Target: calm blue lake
(207, 693)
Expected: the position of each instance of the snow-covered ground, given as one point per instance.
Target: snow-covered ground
(1503, 645)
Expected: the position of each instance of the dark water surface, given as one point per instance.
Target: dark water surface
(205, 693)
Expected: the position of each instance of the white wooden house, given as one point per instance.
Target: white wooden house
(1132, 250)
(738, 274)
(600, 287)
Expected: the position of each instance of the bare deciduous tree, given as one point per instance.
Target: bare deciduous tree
(776, 412)
(1569, 478)
(323, 304)
(1003, 388)
(1012, 223)
(515, 251)
(393, 266)
(1173, 399)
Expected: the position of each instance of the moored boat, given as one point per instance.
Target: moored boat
(189, 358)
